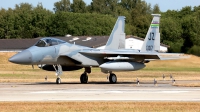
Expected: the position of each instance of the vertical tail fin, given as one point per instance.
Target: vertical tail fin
(152, 39)
(117, 37)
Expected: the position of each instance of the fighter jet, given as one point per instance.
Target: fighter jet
(54, 54)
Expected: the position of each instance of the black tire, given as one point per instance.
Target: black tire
(113, 78)
(84, 78)
(58, 81)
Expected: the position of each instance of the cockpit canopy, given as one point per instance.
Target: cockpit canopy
(45, 42)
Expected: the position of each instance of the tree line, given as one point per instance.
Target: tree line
(179, 28)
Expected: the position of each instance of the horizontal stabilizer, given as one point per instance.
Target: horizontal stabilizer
(172, 56)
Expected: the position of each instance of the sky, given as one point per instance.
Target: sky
(48, 4)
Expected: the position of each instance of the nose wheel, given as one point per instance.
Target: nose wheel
(113, 78)
(84, 78)
(58, 80)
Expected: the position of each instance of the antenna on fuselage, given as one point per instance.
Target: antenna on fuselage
(74, 43)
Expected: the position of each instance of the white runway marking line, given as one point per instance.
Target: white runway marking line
(55, 92)
(174, 91)
(110, 91)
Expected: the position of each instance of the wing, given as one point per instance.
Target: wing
(133, 55)
(121, 54)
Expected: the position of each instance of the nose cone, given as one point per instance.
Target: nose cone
(24, 57)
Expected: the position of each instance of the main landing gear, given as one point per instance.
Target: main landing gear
(58, 69)
(84, 76)
(113, 78)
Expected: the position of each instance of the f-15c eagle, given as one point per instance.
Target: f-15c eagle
(52, 53)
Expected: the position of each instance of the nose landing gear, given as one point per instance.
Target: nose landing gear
(58, 69)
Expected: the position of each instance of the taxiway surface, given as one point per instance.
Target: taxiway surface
(127, 91)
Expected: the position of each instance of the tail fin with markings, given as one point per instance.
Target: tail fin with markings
(117, 37)
(152, 39)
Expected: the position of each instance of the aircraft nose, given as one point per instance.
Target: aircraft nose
(24, 57)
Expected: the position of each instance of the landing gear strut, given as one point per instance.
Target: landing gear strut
(84, 76)
(113, 78)
(58, 69)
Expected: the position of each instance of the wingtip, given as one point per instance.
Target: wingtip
(122, 17)
(156, 15)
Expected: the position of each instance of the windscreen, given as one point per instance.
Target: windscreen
(40, 43)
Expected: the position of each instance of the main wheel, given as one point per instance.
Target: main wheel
(58, 81)
(84, 78)
(113, 78)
